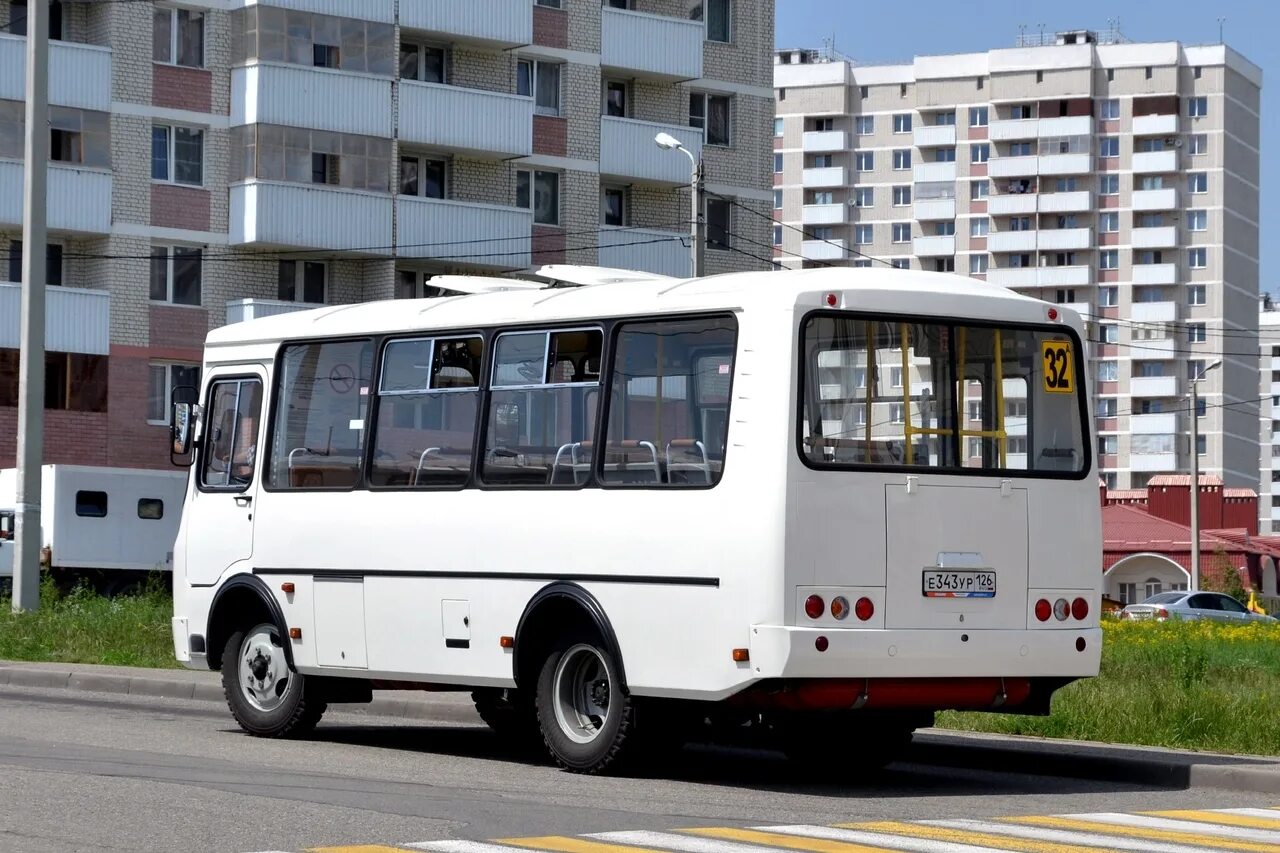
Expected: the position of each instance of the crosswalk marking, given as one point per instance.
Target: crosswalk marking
(788, 842)
(356, 848)
(1250, 818)
(916, 839)
(680, 843)
(974, 839)
(1167, 825)
(458, 845)
(1088, 839)
(1091, 824)
(568, 844)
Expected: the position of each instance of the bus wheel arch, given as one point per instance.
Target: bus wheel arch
(242, 602)
(555, 610)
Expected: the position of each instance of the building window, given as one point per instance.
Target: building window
(177, 37)
(1198, 182)
(1108, 297)
(424, 63)
(978, 264)
(979, 153)
(52, 263)
(302, 281)
(177, 155)
(1108, 222)
(1107, 405)
(718, 230)
(1197, 107)
(901, 159)
(777, 235)
(899, 263)
(326, 168)
(979, 190)
(1109, 109)
(1109, 259)
(1195, 294)
(1195, 333)
(1197, 220)
(863, 235)
(712, 114)
(1109, 444)
(978, 115)
(902, 123)
(616, 102)
(423, 176)
(896, 413)
(718, 22)
(864, 92)
(539, 191)
(1197, 258)
(777, 199)
(613, 205)
(902, 232)
(944, 155)
(901, 196)
(979, 226)
(864, 161)
(864, 197)
(865, 125)
(777, 164)
(777, 127)
(175, 275)
(1107, 372)
(1199, 144)
(1108, 333)
(1109, 146)
(548, 4)
(164, 378)
(541, 81)
(1109, 185)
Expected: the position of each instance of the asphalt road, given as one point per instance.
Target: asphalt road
(86, 771)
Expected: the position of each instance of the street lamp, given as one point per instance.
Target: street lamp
(667, 142)
(1195, 475)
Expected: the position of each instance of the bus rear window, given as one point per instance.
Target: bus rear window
(900, 392)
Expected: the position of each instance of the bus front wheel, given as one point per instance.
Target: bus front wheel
(266, 697)
(586, 717)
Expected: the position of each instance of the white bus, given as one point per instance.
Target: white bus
(825, 503)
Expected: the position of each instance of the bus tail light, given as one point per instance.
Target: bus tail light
(814, 606)
(1061, 610)
(1044, 610)
(864, 609)
(1080, 608)
(839, 607)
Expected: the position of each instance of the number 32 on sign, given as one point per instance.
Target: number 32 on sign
(1058, 367)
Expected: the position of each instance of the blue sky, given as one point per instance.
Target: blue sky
(879, 32)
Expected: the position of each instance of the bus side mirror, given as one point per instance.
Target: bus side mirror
(181, 434)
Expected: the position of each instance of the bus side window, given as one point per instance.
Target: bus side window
(668, 407)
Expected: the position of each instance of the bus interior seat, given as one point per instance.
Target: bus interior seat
(691, 458)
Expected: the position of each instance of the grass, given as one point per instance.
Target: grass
(83, 627)
(1187, 685)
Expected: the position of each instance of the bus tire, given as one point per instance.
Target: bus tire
(266, 697)
(586, 717)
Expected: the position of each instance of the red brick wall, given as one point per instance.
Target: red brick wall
(550, 27)
(550, 135)
(131, 441)
(179, 207)
(548, 245)
(182, 88)
(70, 438)
(179, 328)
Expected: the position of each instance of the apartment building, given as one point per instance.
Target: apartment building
(222, 160)
(1268, 410)
(1118, 178)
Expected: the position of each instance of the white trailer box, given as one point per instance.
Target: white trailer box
(105, 518)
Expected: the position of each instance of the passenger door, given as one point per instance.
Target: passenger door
(219, 520)
(1206, 606)
(1233, 610)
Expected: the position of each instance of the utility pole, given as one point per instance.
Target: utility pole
(27, 532)
(1195, 488)
(698, 193)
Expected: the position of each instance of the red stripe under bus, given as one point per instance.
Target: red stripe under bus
(888, 694)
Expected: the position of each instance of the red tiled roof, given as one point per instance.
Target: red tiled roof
(1239, 493)
(1131, 529)
(1126, 494)
(1183, 480)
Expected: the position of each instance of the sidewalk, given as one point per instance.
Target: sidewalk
(1138, 765)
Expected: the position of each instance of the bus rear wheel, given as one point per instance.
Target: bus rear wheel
(586, 718)
(266, 697)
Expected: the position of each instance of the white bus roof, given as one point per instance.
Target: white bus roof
(906, 291)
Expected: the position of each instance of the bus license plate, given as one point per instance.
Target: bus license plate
(948, 584)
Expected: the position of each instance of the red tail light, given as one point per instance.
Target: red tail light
(814, 606)
(1080, 608)
(1161, 613)
(864, 609)
(1044, 610)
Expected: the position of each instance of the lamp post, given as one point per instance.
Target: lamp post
(1195, 476)
(698, 224)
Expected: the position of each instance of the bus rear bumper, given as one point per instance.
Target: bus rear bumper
(779, 651)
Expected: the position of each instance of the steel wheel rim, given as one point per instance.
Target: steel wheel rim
(265, 679)
(581, 690)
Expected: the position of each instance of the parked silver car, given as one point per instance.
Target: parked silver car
(1188, 605)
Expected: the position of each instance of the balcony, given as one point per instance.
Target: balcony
(1013, 276)
(934, 209)
(1153, 386)
(823, 250)
(1165, 125)
(1154, 312)
(1065, 239)
(655, 46)
(824, 214)
(825, 140)
(316, 98)
(627, 150)
(1063, 276)
(1066, 164)
(75, 320)
(1165, 423)
(929, 173)
(495, 23)
(79, 198)
(934, 247)
(240, 310)
(1154, 349)
(1011, 204)
(829, 176)
(310, 216)
(79, 74)
(1011, 241)
(1073, 202)
(1013, 167)
(446, 230)
(1155, 273)
(932, 136)
(645, 250)
(1024, 128)
(1161, 237)
(1065, 126)
(1161, 199)
(497, 125)
(1153, 461)
(1148, 162)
